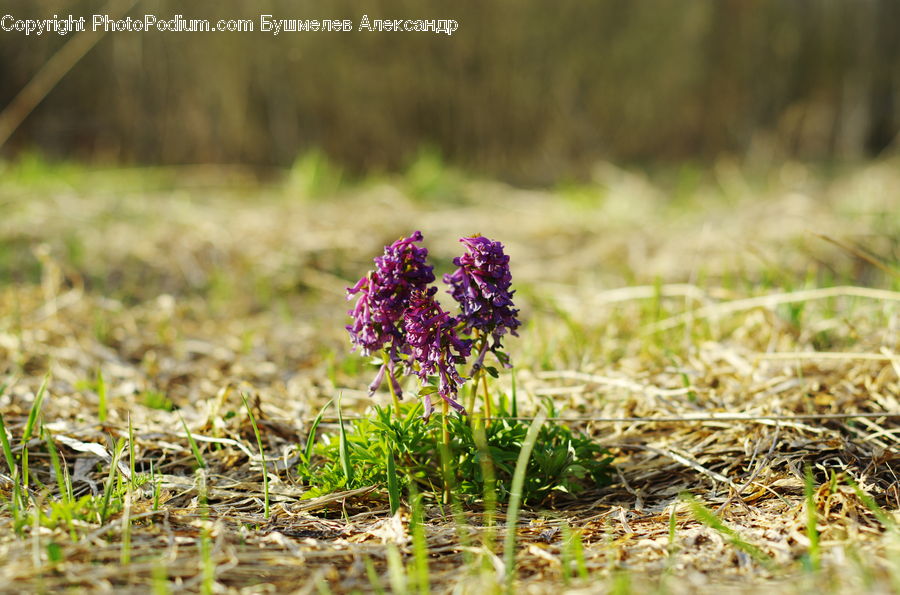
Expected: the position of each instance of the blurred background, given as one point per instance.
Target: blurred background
(531, 93)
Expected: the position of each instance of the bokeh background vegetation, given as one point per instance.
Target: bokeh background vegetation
(699, 199)
(526, 92)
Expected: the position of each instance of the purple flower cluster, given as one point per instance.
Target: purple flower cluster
(396, 313)
(434, 347)
(384, 297)
(481, 287)
(385, 293)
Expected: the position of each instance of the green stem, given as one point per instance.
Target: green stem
(390, 383)
(487, 398)
(482, 376)
(445, 436)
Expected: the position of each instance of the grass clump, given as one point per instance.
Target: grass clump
(387, 448)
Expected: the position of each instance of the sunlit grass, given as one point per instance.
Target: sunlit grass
(175, 293)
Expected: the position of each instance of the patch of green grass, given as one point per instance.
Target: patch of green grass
(63, 482)
(428, 178)
(314, 175)
(563, 461)
(153, 399)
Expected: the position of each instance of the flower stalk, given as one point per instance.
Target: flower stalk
(392, 382)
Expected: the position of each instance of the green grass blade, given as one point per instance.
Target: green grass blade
(572, 553)
(18, 500)
(156, 487)
(372, 575)
(883, 517)
(111, 479)
(396, 571)
(323, 588)
(57, 467)
(344, 448)
(708, 518)
(262, 455)
(125, 551)
(566, 553)
(24, 459)
(514, 408)
(392, 483)
(160, 579)
(490, 480)
(207, 566)
(621, 583)
(7, 452)
(35, 410)
(812, 519)
(673, 530)
(198, 456)
(448, 466)
(311, 438)
(101, 396)
(515, 498)
(131, 480)
(420, 544)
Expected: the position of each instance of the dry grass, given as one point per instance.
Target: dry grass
(637, 305)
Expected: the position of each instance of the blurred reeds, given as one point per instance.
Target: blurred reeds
(532, 92)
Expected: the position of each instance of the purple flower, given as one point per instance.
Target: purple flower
(434, 347)
(481, 287)
(370, 329)
(383, 298)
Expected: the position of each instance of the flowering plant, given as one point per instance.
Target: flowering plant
(396, 314)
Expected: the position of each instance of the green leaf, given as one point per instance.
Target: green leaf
(344, 447)
(54, 552)
(194, 449)
(7, 450)
(35, 410)
(311, 438)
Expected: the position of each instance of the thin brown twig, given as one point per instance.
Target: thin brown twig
(857, 252)
(759, 467)
(50, 74)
